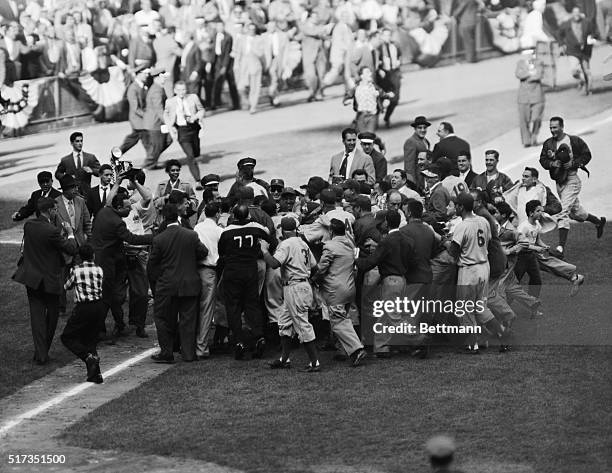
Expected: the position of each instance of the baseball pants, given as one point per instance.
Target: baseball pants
(555, 266)
(570, 203)
(298, 299)
(392, 287)
(240, 286)
(473, 285)
(527, 262)
(189, 140)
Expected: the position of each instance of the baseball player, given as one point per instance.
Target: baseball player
(296, 262)
(469, 244)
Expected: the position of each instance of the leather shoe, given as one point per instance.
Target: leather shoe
(140, 333)
(160, 358)
(93, 367)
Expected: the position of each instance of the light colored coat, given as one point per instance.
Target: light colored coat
(360, 161)
(193, 107)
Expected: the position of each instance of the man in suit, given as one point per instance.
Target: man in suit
(464, 165)
(136, 96)
(167, 51)
(79, 164)
(98, 195)
(72, 209)
(223, 68)
(415, 145)
(450, 145)
(249, 57)
(41, 272)
(276, 44)
(153, 118)
(191, 65)
(389, 73)
(141, 52)
(107, 239)
(314, 60)
(15, 49)
(343, 164)
(182, 116)
(530, 70)
(466, 15)
(45, 181)
(378, 159)
(576, 38)
(173, 262)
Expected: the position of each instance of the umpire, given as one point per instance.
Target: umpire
(239, 250)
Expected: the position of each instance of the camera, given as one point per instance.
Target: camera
(122, 166)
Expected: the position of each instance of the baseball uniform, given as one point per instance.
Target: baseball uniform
(296, 261)
(472, 235)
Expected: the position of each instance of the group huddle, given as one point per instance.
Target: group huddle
(267, 264)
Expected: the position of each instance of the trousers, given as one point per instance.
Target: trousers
(189, 140)
(80, 335)
(240, 287)
(44, 312)
(172, 312)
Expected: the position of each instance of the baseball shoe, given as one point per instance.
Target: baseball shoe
(280, 365)
(239, 351)
(577, 281)
(600, 227)
(358, 357)
(312, 369)
(260, 346)
(93, 369)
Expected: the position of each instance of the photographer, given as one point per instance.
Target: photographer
(140, 221)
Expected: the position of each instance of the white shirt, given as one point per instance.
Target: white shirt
(410, 193)
(257, 189)
(537, 192)
(349, 163)
(186, 51)
(218, 43)
(209, 233)
(10, 47)
(529, 232)
(463, 175)
(74, 156)
(180, 112)
(102, 193)
(275, 44)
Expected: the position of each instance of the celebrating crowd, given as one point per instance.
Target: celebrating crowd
(207, 43)
(267, 264)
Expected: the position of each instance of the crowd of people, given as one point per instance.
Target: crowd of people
(208, 43)
(267, 263)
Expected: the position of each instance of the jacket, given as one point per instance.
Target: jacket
(335, 271)
(173, 262)
(581, 155)
(30, 207)
(43, 247)
(155, 101)
(360, 161)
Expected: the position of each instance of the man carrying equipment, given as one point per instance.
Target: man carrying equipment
(296, 261)
(562, 155)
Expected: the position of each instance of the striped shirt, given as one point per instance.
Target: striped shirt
(86, 278)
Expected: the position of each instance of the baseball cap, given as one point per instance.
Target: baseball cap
(444, 165)
(289, 191)
(288, 224)
(246, 162)
(156, 71)
(440, 446)
(210, 179)
(277, 183)
(315, 184)
(430, 172)
(44, 176)
(563, 153)
(366, 137)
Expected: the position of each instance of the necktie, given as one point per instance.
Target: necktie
(79, 165)
(389, 56)
(104, 196)
(71, 213)
(342, 171)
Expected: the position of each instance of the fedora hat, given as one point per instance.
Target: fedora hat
(420, 120)
(67, 181)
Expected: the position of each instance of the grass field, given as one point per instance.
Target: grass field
(539, 408)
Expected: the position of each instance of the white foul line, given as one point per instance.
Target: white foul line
(529, 157)
(72, 392)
